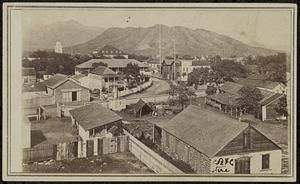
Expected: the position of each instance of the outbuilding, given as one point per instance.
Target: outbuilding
(94, 121)
(214, 143)
(141, 108)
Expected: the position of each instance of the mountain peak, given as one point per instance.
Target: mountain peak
(194, 42)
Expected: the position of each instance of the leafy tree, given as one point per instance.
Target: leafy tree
(132, 70)
(228, 68)
(27, 64)
(273, 66)
(281, 107)
(249, 99)
(181, 94)
(211, 90)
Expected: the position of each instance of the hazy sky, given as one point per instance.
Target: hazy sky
(266, 28)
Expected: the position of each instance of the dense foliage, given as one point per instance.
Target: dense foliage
(249, 99)
(182, 94)
(52, 62)
(274, 67)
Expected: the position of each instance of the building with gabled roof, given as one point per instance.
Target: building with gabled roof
(141, 108)
(111, 51)
(214, 143)
(94, 120)
(272, 86)
(99, 78)
(29, 75)
(268, 106)
(116, 65)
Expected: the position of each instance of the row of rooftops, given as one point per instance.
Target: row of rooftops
(111, 63)
(195, 125)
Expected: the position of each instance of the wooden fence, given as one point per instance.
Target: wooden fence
(153, 160)
(78, 149)
(43, 152)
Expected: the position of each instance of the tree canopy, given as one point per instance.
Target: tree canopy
(52, 62)
(249, 99)
(181, 94)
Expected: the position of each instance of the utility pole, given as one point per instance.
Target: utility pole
(160, 57)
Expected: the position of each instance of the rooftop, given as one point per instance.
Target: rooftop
(231, 87)
(94, 115)
(267, 100)
(201, 63)
(204, 130)
(109, 49)
(226, 98)
(112, 63)
(256, 83)
(102, 70)
(28, 72)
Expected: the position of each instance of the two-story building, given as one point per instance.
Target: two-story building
(99, 78)
(212, 143)
(116, 65)
(111, 52)
(94, 121)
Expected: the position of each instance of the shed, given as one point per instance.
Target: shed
(141, 108)
(94, 120)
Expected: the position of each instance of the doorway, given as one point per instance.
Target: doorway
(74, 96)
(242, 165)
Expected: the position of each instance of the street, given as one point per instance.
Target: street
(158, 87)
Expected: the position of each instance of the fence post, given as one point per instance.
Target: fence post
(95, 147)
(79, 152)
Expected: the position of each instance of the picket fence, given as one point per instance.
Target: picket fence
(77, 149)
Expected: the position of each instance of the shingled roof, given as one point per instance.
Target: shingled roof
(256, 83)
(204, 130)
(94, 115)
(226, 98)
(102, 70)
(267, 100)
(112, 63)
(231, 87)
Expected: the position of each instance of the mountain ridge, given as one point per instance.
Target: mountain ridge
(145, 41)
(68, 32)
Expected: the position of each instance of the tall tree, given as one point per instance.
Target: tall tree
(249, 99)
(181, 94)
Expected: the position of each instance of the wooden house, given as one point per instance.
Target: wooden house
(94, 121)
(268, 106)
(213, 143)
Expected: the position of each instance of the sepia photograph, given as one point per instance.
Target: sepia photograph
(149, 92)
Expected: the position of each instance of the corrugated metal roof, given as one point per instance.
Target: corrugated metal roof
(204, 130)
(94, 115)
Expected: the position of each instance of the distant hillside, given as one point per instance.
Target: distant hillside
(145, 41)
(67, 32)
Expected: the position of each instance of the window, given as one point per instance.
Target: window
(66, 96)
(265, 161)
(246, 139)
(25, 80)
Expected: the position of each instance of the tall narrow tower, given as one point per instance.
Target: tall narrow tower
(58, 48)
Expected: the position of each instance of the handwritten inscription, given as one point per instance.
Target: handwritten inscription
(223, 165)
